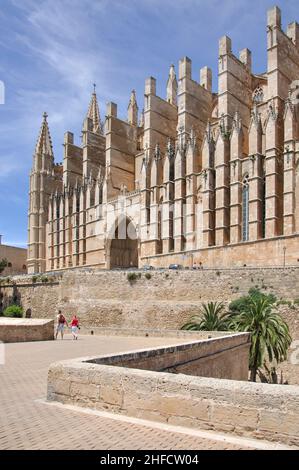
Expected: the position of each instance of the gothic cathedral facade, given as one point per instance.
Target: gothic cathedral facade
(199, 178)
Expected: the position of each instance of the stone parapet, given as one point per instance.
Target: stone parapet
(249, 409)
(17, 330)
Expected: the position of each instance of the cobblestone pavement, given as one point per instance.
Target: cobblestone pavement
(27, 423)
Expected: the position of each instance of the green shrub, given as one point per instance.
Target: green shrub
(296, 301)
(3, 264)
(148, 276)
(132, 277)
(13, 311)
(44, 279)
(241, 304)
(34, 279)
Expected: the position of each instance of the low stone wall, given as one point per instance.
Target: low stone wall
(249, 409)
(210, 357)
(17, 330)
(149, 332)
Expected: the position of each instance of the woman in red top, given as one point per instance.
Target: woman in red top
(75, 327)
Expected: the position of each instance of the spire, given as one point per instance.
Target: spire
(94, 112)
(172, 86)
(44, 142)
(133, 109)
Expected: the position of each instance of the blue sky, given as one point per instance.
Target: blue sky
(52, 51)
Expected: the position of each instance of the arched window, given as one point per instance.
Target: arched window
(245, 209)
(264, 207)
(258, 95)
(160, 242)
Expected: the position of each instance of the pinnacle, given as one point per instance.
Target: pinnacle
(44, 142)
(94, 112)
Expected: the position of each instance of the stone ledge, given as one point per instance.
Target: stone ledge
(248, 409)
(16, 330)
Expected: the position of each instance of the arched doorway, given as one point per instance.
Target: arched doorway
(124, 245)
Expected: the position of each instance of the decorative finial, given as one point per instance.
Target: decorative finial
(94, 88)
(45, 115)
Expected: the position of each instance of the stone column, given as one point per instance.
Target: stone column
(289, 174)
(273, 176)
(256, 183)
(191, 191)
(236, 150)
(222, 193)
(82, 227)
(167, 206)
(179, 196)
(208, 191)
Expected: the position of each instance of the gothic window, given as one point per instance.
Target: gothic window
(211, 158)
(57, 222)
(159, 242)
(101, 195)
(171, 240)
(258, 95)
(171, 170)
(245, 209)
(264, 208)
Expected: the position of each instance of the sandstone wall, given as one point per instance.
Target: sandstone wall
(248, 409)
(213, 357)
(15, 330)
(166, 300)
(106, 299)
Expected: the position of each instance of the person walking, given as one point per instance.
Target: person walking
(75, 326)
(61, 323)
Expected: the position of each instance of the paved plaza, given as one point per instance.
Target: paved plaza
(27, 422)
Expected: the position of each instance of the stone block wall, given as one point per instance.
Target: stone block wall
(248, 409)
(15, 330)
(166, 300)
(213, 357)
(106, 299)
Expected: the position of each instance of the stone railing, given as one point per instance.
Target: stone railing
(249, 409)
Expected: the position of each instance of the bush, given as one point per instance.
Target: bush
(148, 276)
(3, 264)
(14, 311)
(241, 304)
(132, 277)
(34, 279)
(44, 279)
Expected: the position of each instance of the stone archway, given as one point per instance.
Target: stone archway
(124, 246)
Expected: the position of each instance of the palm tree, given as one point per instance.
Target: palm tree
(269, 332)
(211, 318)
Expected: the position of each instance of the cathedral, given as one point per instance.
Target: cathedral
(198, 178)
